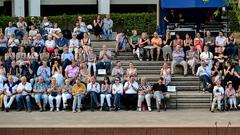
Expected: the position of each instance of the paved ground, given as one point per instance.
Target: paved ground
(180, 118)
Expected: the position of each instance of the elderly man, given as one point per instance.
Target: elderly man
(54, 93)
(105, 59)
(10, 91)
(78, 92)
(204, 73)
(71, 71)
(207, 57)
(66, 57)
(40, 90)
(130, 97)
(107, 27)
(178, 58)
(24, 90)
(93, 90)
(38, 43)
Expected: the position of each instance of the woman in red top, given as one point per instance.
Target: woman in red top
(198, 43)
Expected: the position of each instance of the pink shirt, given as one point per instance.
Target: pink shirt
(72, 71)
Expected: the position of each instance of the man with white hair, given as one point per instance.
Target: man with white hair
(10, 91)
(24, 89)
(40, 90)
(178, 58)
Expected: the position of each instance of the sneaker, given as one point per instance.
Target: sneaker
(79, 110)
(7, 109)
(51, 110)
(139, 109)
(100, 109)
(57, 109)
(74, 111)
(149, 109)
(140, 59)
(41, 110)
(239, 105)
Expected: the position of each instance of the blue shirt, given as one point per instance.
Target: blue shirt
(178, 58)
(40, 87)
(67, 55)
(10, 30)
(44, 72)
(61, 42)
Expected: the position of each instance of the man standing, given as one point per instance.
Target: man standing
(107, 27)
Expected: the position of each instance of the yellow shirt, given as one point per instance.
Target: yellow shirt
(79, 89)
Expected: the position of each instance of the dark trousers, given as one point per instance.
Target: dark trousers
(93, 98)
(205, 80)
(130, 101)
(104, 65)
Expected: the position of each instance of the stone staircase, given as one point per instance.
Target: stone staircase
(188, 95)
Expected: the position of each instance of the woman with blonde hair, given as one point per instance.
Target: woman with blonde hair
(167, 51)
(144, 92)
(166, 73)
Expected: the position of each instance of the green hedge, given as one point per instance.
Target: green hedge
(139, 21)
(234, 22)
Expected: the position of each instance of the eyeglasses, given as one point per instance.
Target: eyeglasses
(116, 80)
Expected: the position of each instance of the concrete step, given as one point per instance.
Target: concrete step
(185, 83)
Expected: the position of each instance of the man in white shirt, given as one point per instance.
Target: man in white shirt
(93, 90)
(221, 42)
(207, 57)
(204, 73)
(10, 91)
(130, 97)
(24, 89)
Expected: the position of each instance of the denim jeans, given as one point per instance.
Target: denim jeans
(93, 97)
(40, 96)
(106, 33)
(117, 101)
(77, 101)
(231, 50)
(19, 98)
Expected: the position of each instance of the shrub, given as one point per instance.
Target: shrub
(129, 21)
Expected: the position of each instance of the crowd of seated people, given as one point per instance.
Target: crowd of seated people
(44, 65)
(41, 68)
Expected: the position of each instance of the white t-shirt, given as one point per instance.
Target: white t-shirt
(74, 43)
(117, 89)
(220, 91)
(50, 44)
(130, 89)
(27, 87)
(221, 40)
(14, 89)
